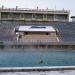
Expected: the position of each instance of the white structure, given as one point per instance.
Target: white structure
(36, 29)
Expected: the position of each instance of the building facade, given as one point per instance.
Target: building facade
(33, 15)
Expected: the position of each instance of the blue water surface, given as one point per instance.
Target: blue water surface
(33, 59)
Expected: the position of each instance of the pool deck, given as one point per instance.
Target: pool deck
(30, 69)
(54, 70)
(66, 72)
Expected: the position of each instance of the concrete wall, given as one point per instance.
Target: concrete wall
(0, 15)
(36, 48)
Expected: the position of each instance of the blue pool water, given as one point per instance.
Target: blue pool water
(32, 59)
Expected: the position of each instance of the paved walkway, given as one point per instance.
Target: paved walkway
(65, 72)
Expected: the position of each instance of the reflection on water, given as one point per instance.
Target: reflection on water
(32, 59)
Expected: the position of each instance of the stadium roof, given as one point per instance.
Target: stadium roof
(36, 29)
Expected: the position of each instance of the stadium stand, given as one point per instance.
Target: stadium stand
(65, 31)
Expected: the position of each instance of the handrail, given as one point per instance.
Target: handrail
(35, 43)
(28, 9)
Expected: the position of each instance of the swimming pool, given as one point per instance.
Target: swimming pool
(33, 59)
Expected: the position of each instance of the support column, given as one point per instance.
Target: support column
(33, 16)
(0, 17)
(54, 17)
(44, 16)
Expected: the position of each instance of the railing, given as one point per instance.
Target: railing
(34, 19)
(35, 43)
(33, 46)
(38, 10)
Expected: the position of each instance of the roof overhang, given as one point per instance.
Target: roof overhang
(36, 29)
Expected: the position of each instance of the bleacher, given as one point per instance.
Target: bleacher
(65, 31)
(39, 38)
(6, 32)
